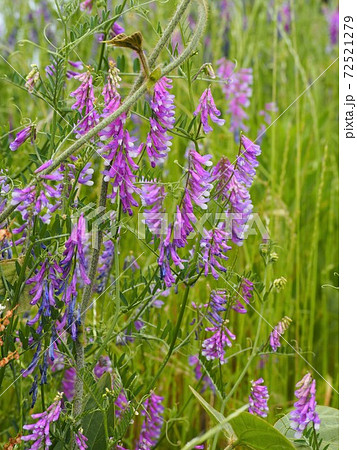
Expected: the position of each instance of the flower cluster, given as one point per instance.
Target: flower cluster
(208, 108)
(258, 399)
(233, 186)
(305, 406)
(22, 136)
(40, 431)
(245, 293)
(237, 91)
(152, 196)
(278, 331)
(119, 149)
(197, 368)
(214, 346)
(153, 421)
(84, 103)
(162, 105)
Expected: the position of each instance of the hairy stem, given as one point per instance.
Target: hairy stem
(87, 294)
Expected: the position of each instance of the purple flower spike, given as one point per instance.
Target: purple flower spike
(258, 399)
(22, 136)
(81, 440)
(278, 331)
(153, 195)
(44, 166)
(153, 421)
(84, 103)
(207, 107)
(103, 365)
(162, 104)
(214, 346)
(168, 252)
(214, 245)
(199, 181)
(246, 289)
(305, 406)
(40, 431)
(237, 90)
(197, 367)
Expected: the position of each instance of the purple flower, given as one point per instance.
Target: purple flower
(84, 104)
(103, 365)
(233, 187)
(258, 399)
(214, 346)
(246, 292)
(86, 5)
(153, 195)
(81, 440)
(333, 18)
(121, 405)
(168, 252)
(207, 107)
(153, 421)
(217, 305)
(68, 383)
(305, 406)
(45, 283)
(284, 16)
(197, 367)
(120, 149)
(214, 245)
(237, 90)
(105, 265)
(162, 105)
(278, 331)
(22, 136)
(199, 179)
(40, 431)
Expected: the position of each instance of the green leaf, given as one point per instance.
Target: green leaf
(328, 431)
(94, 423)
(255, 433)
(227, 428)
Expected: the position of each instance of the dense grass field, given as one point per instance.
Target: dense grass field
(293, 237)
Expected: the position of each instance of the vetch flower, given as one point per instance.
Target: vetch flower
(214, 245)
(119, 151)
(162, 105)
(22, 136)
(152, 196)
(84, 103)
(214, 346)
(197, 368)
(238, 91)
(305, 406)
(245, 293)
(167, 253)
(40, 431)
(103, 365)
(258, 399)
(153, 421)
(105, 264)
(199, 179)
(278, 331)
(81, 440)
(207, 107)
